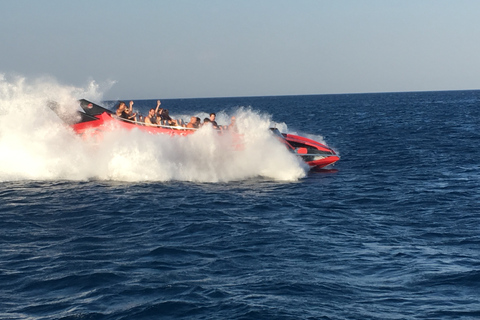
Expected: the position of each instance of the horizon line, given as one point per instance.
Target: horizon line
(297, 95)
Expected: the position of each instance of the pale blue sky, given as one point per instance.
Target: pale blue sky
(218, 48)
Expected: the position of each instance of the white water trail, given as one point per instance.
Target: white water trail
(36, 145)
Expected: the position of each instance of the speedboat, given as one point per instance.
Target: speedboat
(93, 120)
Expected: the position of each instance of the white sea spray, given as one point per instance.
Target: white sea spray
(35, 144)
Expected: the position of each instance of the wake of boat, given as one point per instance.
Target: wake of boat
(35, 144)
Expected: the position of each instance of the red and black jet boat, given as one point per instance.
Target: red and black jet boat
(94, 120)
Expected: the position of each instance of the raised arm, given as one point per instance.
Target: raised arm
(130, 107)
(158, 106)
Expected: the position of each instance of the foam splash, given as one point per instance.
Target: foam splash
(35, 144)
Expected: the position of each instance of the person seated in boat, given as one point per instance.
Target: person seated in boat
(121, 112)
(194, 122)
(162, 116)
(165, 117)
(213, 122)
(158, 116)
(232, 126)
(151, 120)
(206, 121)
(158, 110)
(129, 110)
(126, 113)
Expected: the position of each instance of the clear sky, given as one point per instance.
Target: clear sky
(220, 48)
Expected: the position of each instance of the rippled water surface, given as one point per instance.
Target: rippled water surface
(392, 231)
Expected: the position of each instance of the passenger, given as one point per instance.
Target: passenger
(206, 121)
(160, 115)
(193, 124)
(166, 117)
(151, 120)
(158, 110)
(161, 119)
(121, 110)
(232, 126)
(213, 122)
(124, 112)
(168, 120)
(130, 113)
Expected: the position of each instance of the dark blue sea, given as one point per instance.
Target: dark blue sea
(148, 230)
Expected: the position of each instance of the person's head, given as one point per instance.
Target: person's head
(232, 119)
(193, 119)
(212, 116)
(121, 106)
(206, 120)
(151, 113)
(197, 120)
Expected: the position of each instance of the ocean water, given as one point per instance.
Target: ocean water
(141, 227)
